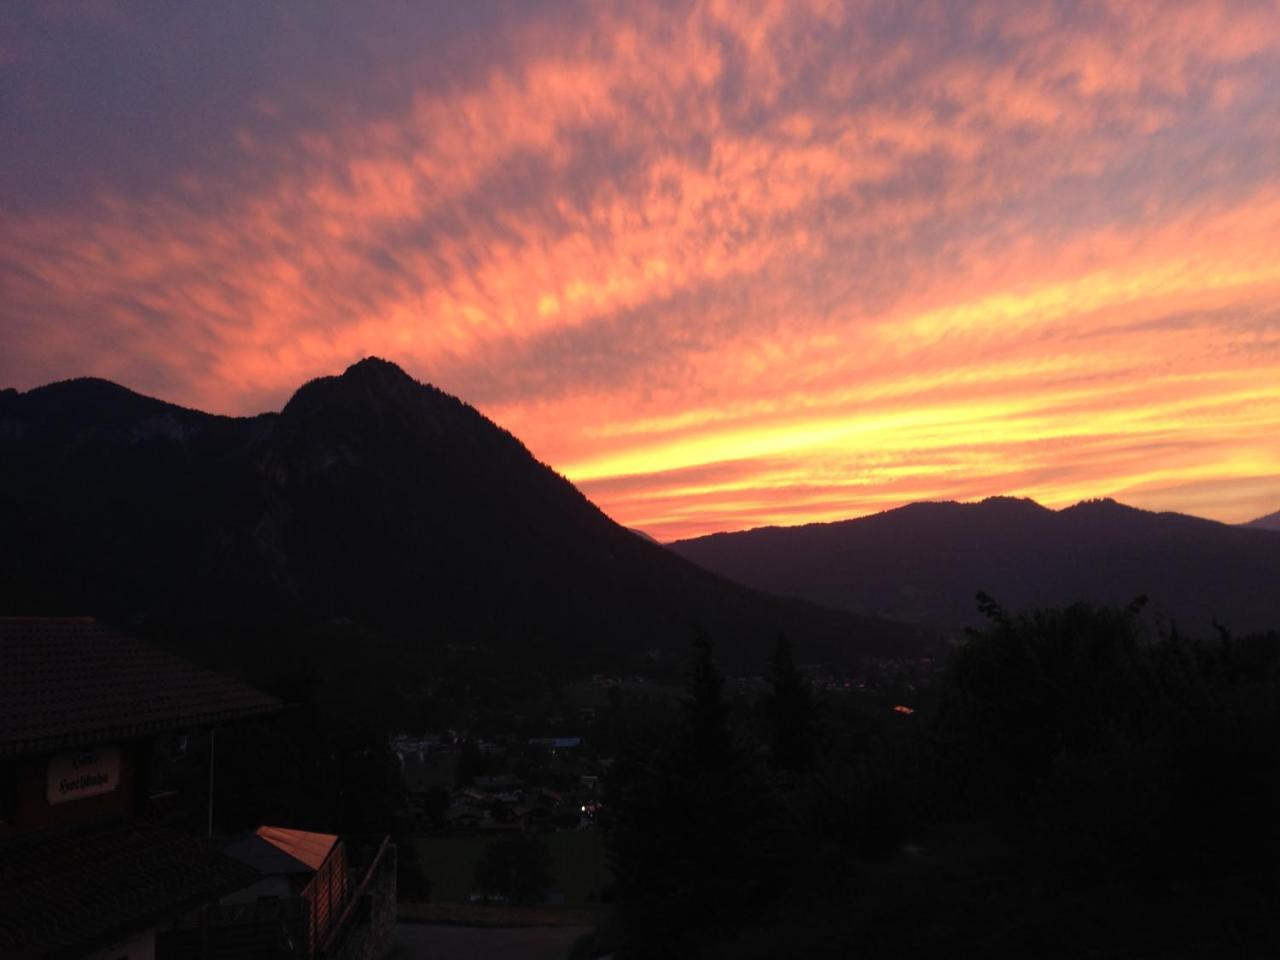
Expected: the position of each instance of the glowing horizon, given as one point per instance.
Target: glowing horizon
(722, 265)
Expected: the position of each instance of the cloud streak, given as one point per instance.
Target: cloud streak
(721, 264)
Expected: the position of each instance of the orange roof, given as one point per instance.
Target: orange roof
(309, 848)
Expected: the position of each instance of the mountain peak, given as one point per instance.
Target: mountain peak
(1270, 522)
(376, 369)
(1102, 506)
(924, 563)
(369, 383)
(86, 389)
(381, 380)
(1018, 504)
(89, 400)
(371, 497)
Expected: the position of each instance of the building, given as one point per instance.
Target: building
(87, 869)
(294, 863)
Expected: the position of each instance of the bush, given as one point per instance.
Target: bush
(517, 866)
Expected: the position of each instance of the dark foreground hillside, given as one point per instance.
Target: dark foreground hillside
(924, 562)
(374, 524)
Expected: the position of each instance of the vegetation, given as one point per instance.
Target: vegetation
(515, 867)
(450, 864)
(1076, 783)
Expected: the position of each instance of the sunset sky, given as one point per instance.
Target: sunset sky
(721, 264)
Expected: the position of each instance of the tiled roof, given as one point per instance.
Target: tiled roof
(311, 848)
(66, 682)
(79, 889)
(266, 858)
(276, 851)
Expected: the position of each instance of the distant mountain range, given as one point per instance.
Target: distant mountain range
(374, 518)
(1270, 522)
(924, 562)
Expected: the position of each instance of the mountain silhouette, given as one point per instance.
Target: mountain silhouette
(1270, 522)
(372, 514)
(925, 562)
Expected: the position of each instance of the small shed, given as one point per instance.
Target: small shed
(294, 863)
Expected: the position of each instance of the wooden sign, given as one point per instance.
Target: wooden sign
(83, 773)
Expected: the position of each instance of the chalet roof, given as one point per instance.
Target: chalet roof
(71, 890)
(69, 682)
(278, 850)
(311, 848)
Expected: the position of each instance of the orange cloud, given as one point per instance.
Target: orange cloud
(732, 264)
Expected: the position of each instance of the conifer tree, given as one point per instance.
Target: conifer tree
(791, 709)
(708, 716)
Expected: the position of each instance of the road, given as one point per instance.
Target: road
(444, 942)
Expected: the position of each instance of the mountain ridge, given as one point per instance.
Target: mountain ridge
(369, 499)
(923, 562)
(1269, 522)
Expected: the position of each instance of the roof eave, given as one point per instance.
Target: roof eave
(126, 732)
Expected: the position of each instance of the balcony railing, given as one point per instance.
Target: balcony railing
(366, 922)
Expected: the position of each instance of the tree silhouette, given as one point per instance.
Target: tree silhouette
(791, 709)
(687, 837)
(709, 737)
